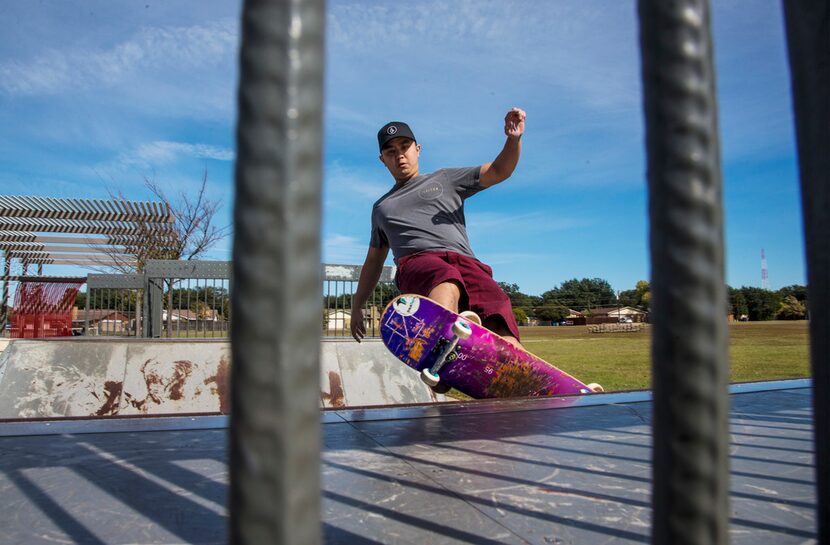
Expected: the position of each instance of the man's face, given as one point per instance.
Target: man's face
(400, 155)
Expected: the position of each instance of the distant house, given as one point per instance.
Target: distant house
(191, 316)
(115, 322)
(339, 321)
(574, 317)
(616, 315)
(101, 322)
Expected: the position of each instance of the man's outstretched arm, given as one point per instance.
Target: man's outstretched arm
(369, 276)
(505, 163)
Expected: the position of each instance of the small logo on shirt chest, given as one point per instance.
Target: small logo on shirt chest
(431, 191)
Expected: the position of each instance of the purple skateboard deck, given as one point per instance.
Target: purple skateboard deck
(417, 330)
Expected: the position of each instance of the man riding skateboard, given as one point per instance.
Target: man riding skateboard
(422, 220)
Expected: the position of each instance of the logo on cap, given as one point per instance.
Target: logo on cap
(392, 130)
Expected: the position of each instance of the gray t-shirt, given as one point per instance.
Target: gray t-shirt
(426, 213)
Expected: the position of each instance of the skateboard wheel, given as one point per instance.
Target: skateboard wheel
(596, 388)
(430, 378)
(461, 329)
(471, 316)
(442, 388)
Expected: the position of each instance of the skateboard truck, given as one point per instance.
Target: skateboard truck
(461, 330)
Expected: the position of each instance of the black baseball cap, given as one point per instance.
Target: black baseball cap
(391, 130)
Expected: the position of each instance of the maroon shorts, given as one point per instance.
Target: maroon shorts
(420, 273)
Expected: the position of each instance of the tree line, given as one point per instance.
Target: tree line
(583, 295)
(754, 304)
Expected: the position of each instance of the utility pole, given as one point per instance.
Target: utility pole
(764, 276)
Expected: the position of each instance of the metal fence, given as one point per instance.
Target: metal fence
(113, 306)
(170, 299)
(191, 299)
(187, 299)
(339, 285)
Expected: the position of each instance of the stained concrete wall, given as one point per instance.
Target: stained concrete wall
(355, 374)
(104, 377)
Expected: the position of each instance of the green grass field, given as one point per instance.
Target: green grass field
(622, 361)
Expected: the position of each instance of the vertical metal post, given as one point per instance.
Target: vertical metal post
(689, 349)
(139, 311)
(808, 40)
(189, 310)
(86, 310)
(4, 304)
(105, 296)
(275, 332)
(145, 327)
(155, 315)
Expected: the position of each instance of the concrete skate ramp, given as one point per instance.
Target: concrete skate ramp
(356, 374)
(105, 377)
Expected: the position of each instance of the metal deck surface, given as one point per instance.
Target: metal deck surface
(546, 471)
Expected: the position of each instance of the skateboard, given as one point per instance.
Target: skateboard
(454, 350)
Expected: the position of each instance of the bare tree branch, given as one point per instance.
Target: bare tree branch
(192, 233)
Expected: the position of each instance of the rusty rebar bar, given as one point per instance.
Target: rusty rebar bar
(689, 349)
(275, 331)
(808, 40)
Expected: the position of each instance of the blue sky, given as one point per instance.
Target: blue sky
(97, 95)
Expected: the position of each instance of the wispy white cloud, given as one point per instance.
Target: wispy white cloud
(151, 155)
(493, 44)
(164, 152)
(348, 119)
(527, 222)
(338, 248)
(152, 49)
(356, 183)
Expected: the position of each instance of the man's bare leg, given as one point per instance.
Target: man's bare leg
(447, 294)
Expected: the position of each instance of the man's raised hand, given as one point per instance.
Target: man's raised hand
(514, 123)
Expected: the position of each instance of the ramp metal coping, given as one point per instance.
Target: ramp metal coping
(131, 340)
(191, 422)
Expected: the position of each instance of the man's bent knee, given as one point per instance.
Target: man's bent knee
(447, 294)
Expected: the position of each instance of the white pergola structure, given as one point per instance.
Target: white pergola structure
(89, 233)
